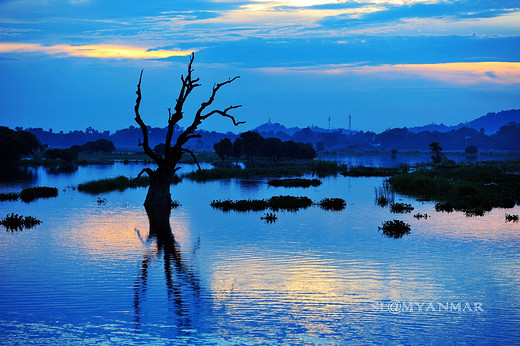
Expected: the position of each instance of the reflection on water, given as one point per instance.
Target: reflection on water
(111, 273)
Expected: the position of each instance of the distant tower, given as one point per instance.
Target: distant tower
(329, 122)
(349, 122)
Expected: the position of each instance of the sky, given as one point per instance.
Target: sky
(73, 64)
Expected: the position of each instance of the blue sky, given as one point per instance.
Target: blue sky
(71, 64)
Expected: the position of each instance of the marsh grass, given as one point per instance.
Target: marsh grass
(400, 208)
(384, 194)
(289, 203)
(12, 196)
(31, 193)
(473, 189)
(119, 183)
(395, 229)
(294, 182)
(15, 222)
(332, 204)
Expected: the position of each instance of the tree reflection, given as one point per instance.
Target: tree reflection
(182, 283)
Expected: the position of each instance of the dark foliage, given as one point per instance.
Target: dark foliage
(99, 146)
(275, 203)
(473, 188)
(332, 204)
(68, 155)
(395, 229)
(294, 182)
(31, 193)
(119, 183)
(401, 208)
(15, 145)
(15, 222)
(253, 144)
(9, 196)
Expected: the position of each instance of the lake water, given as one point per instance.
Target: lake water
(91, 273)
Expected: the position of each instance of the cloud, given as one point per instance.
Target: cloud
(459, 73)
(105, 51)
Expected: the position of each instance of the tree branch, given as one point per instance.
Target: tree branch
(148, 171)
(144, 129)
(224, 114)
(188, 84)
(197, 120)
(194, 157)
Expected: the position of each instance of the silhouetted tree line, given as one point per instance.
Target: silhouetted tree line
(251, 144)
(15, 145)
(71, 154)
(398, 138)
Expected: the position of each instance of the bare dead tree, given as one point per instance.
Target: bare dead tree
(161, 177)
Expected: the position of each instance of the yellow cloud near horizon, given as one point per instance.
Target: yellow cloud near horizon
(104, 51)
(464, 73)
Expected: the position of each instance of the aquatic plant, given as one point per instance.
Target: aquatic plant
(31, 193)
(511, 218)
(269, 217)
(14, 222)
(384, 194)
(401, 208)
(9, 196)
(294, 182)
(471, 188)
(274, 203)
(332, 204)
(395, 229)
(119, 183)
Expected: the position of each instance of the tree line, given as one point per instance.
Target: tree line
(251, 144)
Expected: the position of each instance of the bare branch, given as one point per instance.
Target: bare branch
(184, 150)
(148, 171)
(144, 129)
(224, 113)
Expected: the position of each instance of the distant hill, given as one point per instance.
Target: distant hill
(490, 122)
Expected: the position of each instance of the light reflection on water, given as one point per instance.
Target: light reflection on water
(93, 272)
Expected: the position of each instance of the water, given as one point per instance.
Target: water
(91, 272)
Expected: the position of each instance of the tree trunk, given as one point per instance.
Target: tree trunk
(159, 191)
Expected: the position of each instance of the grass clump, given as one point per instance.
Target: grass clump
(12, 196)
(332, 204)
(384, 194)
(31, 193)
(401, 208)
(15, 222)
(120, 183)
(294, 182)
(395, 229)
(275, 203)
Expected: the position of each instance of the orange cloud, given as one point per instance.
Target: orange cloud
(105, 51)
(464, 73)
